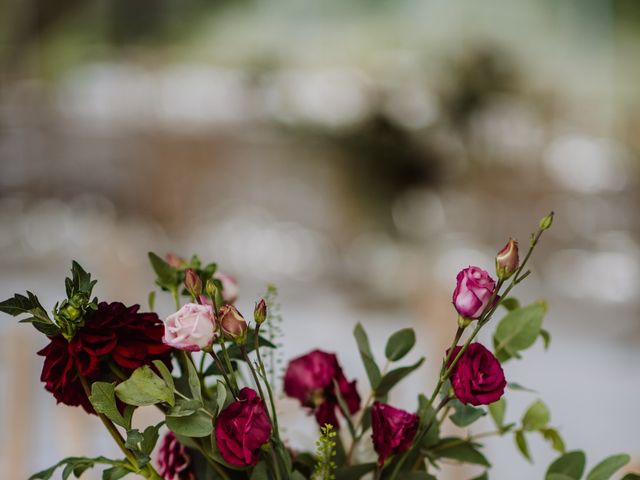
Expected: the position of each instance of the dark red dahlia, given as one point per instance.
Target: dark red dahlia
(113, 333)
(174, 462)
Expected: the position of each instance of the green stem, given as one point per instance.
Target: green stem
(263, 374)
(227, 360)
(218, 363)
(176, 297)
(243, 350)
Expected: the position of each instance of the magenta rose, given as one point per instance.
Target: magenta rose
(473, 292)
(477, 378)
(392, 430)
(310, 378)
(174, 463)
(242, 428)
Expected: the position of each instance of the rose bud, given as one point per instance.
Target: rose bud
(174, 463)
(312, 379)
(191, 328)
(477, 378)
(192, 282)
(546, 222)
(229, 287)
(232, 323)
(473, 292)
(260, 312)
(174, 260)
(392, 430)
(242, 428)
(507, 260)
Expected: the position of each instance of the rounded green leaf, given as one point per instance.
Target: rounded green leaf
(536, 417)
(570, 464)
(196, 425)
(399, 344)
(606, 468)
(518, 330)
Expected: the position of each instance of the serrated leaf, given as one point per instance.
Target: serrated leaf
(465, 415)
(521, 443)
(606, 468)
(144, 387)
(459, 449)
(518, 330)
(536, 417)
(103, 400)
(370, 365)
(198, 424)
(497, 411)
(80, 280)
(20, 304)
(399, 344)
(570, 464)
(392, 378)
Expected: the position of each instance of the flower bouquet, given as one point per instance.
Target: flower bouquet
(211, 375)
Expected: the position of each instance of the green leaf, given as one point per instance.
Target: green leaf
(103, 400)
(30, 304)
(260, 472)
(151, 300)
(546, 338)
(518, 330)
(393, 377)
(77, 465)
(80, 281)
(417, 476)
(570, 464)
(399, 344)
(510, 303)
(426, 413)
(497, 411)
(354, 472)
(459, 449)
(631, 476)
(184, 407)
(221, 395)
(235, 353)
(167, 276)
(370, 365)
(164, 373)
(194, 380)
(115, 473)
(516, 387)
(198, 424)
(552, 436)
(144, 387)
(606, 468)
(521, 443)
(482, 476)
(465, 414)
(536, 417)
(150, 438)
(558, 476)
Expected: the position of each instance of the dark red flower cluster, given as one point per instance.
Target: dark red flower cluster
(174, 463)
(392, 430)
(310, 378)
(242, 428)
(113, 333)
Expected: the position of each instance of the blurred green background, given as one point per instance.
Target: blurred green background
(356, 154)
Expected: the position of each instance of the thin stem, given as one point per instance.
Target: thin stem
(227, 360)
(243, 350)
(263, 374)
(216, 359)
(176, 297)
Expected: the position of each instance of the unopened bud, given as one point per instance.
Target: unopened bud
(192, 282)
(174, 260)
(507, 260)
(233, 324)
(546, 222)
(260, 312)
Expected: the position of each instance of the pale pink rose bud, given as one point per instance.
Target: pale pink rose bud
(230, 289)
(232, 323)
(473, 292)
(174, 260)
(260, 312)
(191, 328)
(192, 282)
(507, 260)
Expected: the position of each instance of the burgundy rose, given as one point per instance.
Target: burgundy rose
(111, 333)
(174, 463)
(477, 378)
(473, 292)
(242, 428)
(310, 378)
(392, 430)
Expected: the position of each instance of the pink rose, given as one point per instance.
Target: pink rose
(191, 328)
(230, 288)
(473, 292)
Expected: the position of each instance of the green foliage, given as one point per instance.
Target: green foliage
(465, 415)
(354, 472)
(497, 411)
(198, 424)
(166, 275)
(518, 330)
(370, 365)
(104, 401)
(510, 303)
(325, 452)
(30, 305)
(521, 443)
(80, 281)
(553, 437)
(77, 466)
(570, 464)
(144, 387)
(606, 468)
(391, 379)
(142, 444)
(536, 417)
(459, 449)
(399, 344)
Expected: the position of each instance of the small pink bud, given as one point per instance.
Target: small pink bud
(192, 282)
(174, 260)
(507, 260)
(230, 289)
(260, 312)
(232, 323)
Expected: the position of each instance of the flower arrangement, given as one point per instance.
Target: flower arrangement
(204, 368)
